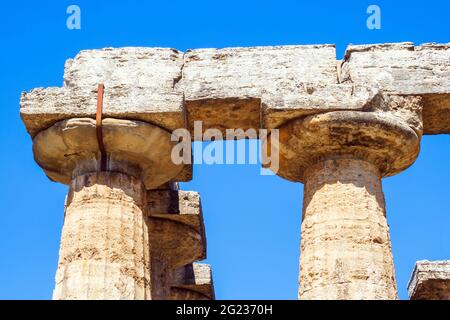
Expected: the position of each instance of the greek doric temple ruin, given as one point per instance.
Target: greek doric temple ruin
(130, 233)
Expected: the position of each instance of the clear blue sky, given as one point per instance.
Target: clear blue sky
(252, 221)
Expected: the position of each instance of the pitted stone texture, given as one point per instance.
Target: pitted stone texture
(286, 103)
(192, 282)
(244, 87)
(399, 68)
(176, 224)
(376, 137)
(150, 68)
(177, 235)
(345, 245)
(407, 109)
(70, 148)
(174, 202)
(403, 69)
(436, 113)
(139, 85)
(430, 281)
(104, 250)
(224, 87)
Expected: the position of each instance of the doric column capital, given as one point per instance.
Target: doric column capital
(70, 148)
(381, 138)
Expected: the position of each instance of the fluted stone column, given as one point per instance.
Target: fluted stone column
(105, 245)
(345, 246)
(104, 251)
(341, 157)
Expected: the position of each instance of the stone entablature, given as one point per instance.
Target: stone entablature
(245, 87)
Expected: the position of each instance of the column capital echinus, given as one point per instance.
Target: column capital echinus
(386, 135)
(70, 148)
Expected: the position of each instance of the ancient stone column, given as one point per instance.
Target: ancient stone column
(105, 249)
(341, 157)
(177, 237)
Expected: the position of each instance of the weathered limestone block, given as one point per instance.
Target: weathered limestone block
(104, 250)
(341, 157)
(404, 109)
(399, 68)
(223, 87)
(177, 236)
(192, 282)
(430, 281)
(403, 69)
(150, 68)
(287, 103)
(139, 85)
(343, 126)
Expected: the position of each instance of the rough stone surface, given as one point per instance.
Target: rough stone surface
(343, 126)
(404, 69)
(436, 114)
(120, 241)
(288, 103)
(192, 282)
(70, 148)
(177, 237)
(430, 281)
(399, 68)
(341, 157)
(104, 250)
(379, 138)
(245, 87)
(404, 109)
(224, 87)
(176, 224)
(139, 85)
(345, 245)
